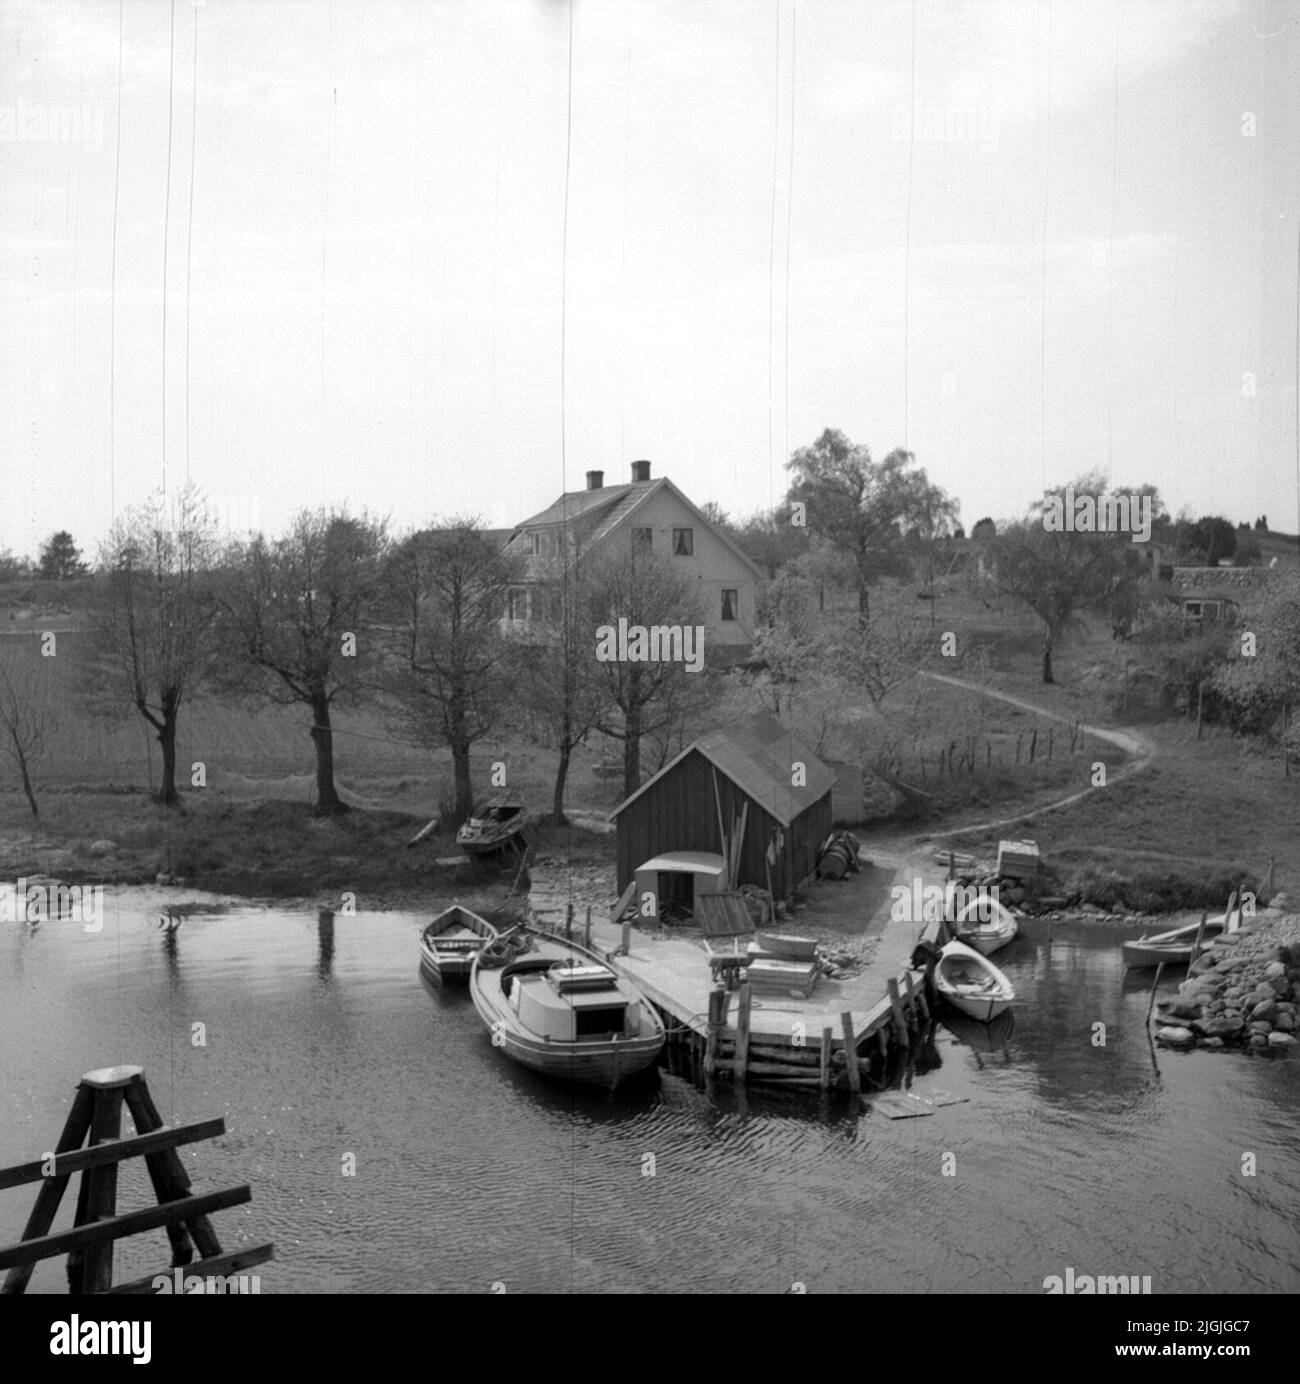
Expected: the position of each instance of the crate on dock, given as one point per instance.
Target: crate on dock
(774, 977)
(1018, 859)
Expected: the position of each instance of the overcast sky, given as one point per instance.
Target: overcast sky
(443, 258)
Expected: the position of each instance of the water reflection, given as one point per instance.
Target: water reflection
(324, 944)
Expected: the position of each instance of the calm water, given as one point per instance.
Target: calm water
(323, 1041)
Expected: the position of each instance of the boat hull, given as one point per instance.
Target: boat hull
(452, 964)
(603, 1062)
(986, 995)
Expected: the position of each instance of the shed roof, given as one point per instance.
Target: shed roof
(756, 754)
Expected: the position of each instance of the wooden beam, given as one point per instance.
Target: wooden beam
(169, 1179)
(114, 1228)
(742, 1031)
(828, 1038)
(850, 1054)
(101, 1203)
(223, 1264)
(713, 1036)
(896, 1004)
(52, 1189)
(111, 1151)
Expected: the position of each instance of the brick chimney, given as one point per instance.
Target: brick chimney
(595, 479)
(640, 471)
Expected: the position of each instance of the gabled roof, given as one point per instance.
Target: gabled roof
(618, 503)
(756, 754)
(576, 504)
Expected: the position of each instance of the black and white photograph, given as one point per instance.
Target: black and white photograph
(650, 648)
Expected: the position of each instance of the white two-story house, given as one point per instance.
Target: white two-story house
(650, 513)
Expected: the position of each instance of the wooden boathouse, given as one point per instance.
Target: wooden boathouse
(756, 771)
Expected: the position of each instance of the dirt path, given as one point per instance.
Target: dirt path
(1140, 747)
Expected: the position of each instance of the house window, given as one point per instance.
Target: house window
(642, 538)
(518, 604)
(683, 542)
(1193, 610)
(535, 542)
(730, 603)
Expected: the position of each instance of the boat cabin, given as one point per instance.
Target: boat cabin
(566, 1002)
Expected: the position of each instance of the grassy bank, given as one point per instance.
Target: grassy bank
(271, 850)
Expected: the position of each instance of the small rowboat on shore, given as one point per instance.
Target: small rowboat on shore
(449, 944)
(1175, 947)
(972, 983)
(558, 1009)
(492, 827)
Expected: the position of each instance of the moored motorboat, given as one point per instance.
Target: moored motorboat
(983, 923)
(560, 1010)
(972, 983)
(449, 944)
(493, 826)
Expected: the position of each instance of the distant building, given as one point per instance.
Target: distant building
(653, 514)
(1214, 595)
(749, 764)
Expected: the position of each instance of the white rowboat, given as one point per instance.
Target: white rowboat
(972, 983)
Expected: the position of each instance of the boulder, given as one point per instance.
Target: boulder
(1272, 970)
(101, 848)
(1266, 1010)
(1175, 1037)
(1280, 1040)
(1261, 1028)
(1220, 1028)
(1285, 1023)
(1185, 1009)
(1212, 1043)
(1257, 1040)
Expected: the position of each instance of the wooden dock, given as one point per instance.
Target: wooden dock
(878, 1014)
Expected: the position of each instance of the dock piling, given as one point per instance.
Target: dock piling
(741, 1066)
(850, 1055)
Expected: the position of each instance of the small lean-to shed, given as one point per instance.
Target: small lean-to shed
(756, 762)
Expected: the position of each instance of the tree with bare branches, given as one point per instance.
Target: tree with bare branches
(153, 614)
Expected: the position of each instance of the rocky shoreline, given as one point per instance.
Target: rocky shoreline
(1243, 992)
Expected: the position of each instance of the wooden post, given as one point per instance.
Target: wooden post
(896, 1004)
(94, 1266)
(741, 1066)
(52, 1188)
(1200, 932)
(828, 1036)
(167, 1173)
(625, 946)
(713, 1034)
(850, 1054)
(586, 931)
(1151, 1003)
(913, 1019)
(1033, 744)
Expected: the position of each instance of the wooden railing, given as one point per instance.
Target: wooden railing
(97, 1112)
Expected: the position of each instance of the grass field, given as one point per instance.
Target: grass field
(1204, 811)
